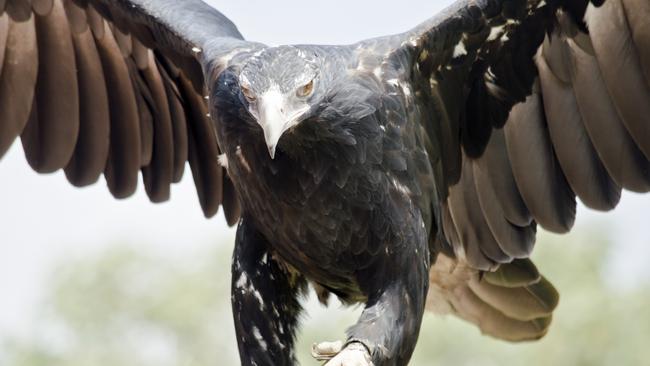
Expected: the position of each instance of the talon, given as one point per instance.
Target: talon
(354, 354)
(325, 351)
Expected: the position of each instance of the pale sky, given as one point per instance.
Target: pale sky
(45, 219)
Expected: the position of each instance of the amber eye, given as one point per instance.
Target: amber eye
(248, 93)
(306, 90)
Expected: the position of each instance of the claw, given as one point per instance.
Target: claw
(325, 351)
(354, 354)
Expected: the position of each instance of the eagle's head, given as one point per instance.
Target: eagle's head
(279, 87)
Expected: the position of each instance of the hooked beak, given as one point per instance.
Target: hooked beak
(273, 119)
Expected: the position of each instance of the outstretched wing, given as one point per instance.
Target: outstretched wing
(530, 107)
(116, 87)
(577, 106)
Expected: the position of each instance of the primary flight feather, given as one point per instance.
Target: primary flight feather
(404, 172)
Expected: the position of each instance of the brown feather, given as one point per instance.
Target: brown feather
(96, 22)
(579, 161)
(76, 16)
(449, 293)
(231, 205)
(17, 81)
(493, 322)
(448, 135)
(528, 302)
(172, 70)
(203, 151)
(49, 144)
(42, 7)
(179, 125)
(448, 227)
(621, 70)
(123, 42)
(472, 229)
(496, 172)
(124, 153)
(143, 34)
(542, 185)
(638, 13)
(119, 18)
(140, 54)
(19, 10)
(557, 57)
(81, 3)
(91, 152)
(4, 33)
(618, 152)
(158, 175)
(518, 273)
(145, 104)
(514, 241)
(194, 72)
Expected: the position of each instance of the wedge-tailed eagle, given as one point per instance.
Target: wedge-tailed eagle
(401, 172)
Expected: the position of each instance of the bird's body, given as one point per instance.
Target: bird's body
(327, 205)
(397, 172)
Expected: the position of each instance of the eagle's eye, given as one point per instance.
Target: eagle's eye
(248, 93)
(306, 90)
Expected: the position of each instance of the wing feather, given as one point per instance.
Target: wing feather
(557, 58)
(570, 80)
(123, 42)
(515, 241)
(140, 54)
(116, 87)
(145, 104)
(95, 21)
(637, 13)
(50, 140)
(621, 70)
(158, 175)
(19, 10)
(42, 7)
(471, 225)
(202, 143)
(77, 16)
(618, 152)
(179, 125)
(494, 171)
(91, 151)
(124, 153)
(541, 182)
(573, 148)
(4, 33)
(19, 74)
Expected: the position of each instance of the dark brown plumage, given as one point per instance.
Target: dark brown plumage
(401, 171)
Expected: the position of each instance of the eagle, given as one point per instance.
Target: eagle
(406, 172)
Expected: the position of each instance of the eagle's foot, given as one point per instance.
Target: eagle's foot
(354, 354)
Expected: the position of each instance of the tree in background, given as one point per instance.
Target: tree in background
(131, 308)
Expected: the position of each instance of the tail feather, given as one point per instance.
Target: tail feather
(516, 274)
(513, 303)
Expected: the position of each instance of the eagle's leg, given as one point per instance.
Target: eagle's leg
(390, 323)
(264, 302)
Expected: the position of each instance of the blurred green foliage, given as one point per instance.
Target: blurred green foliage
(130, 308)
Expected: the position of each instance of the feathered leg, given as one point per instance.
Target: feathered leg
(264, 302)
(397, 285)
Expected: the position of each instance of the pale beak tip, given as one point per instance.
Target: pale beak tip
(272, 151)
